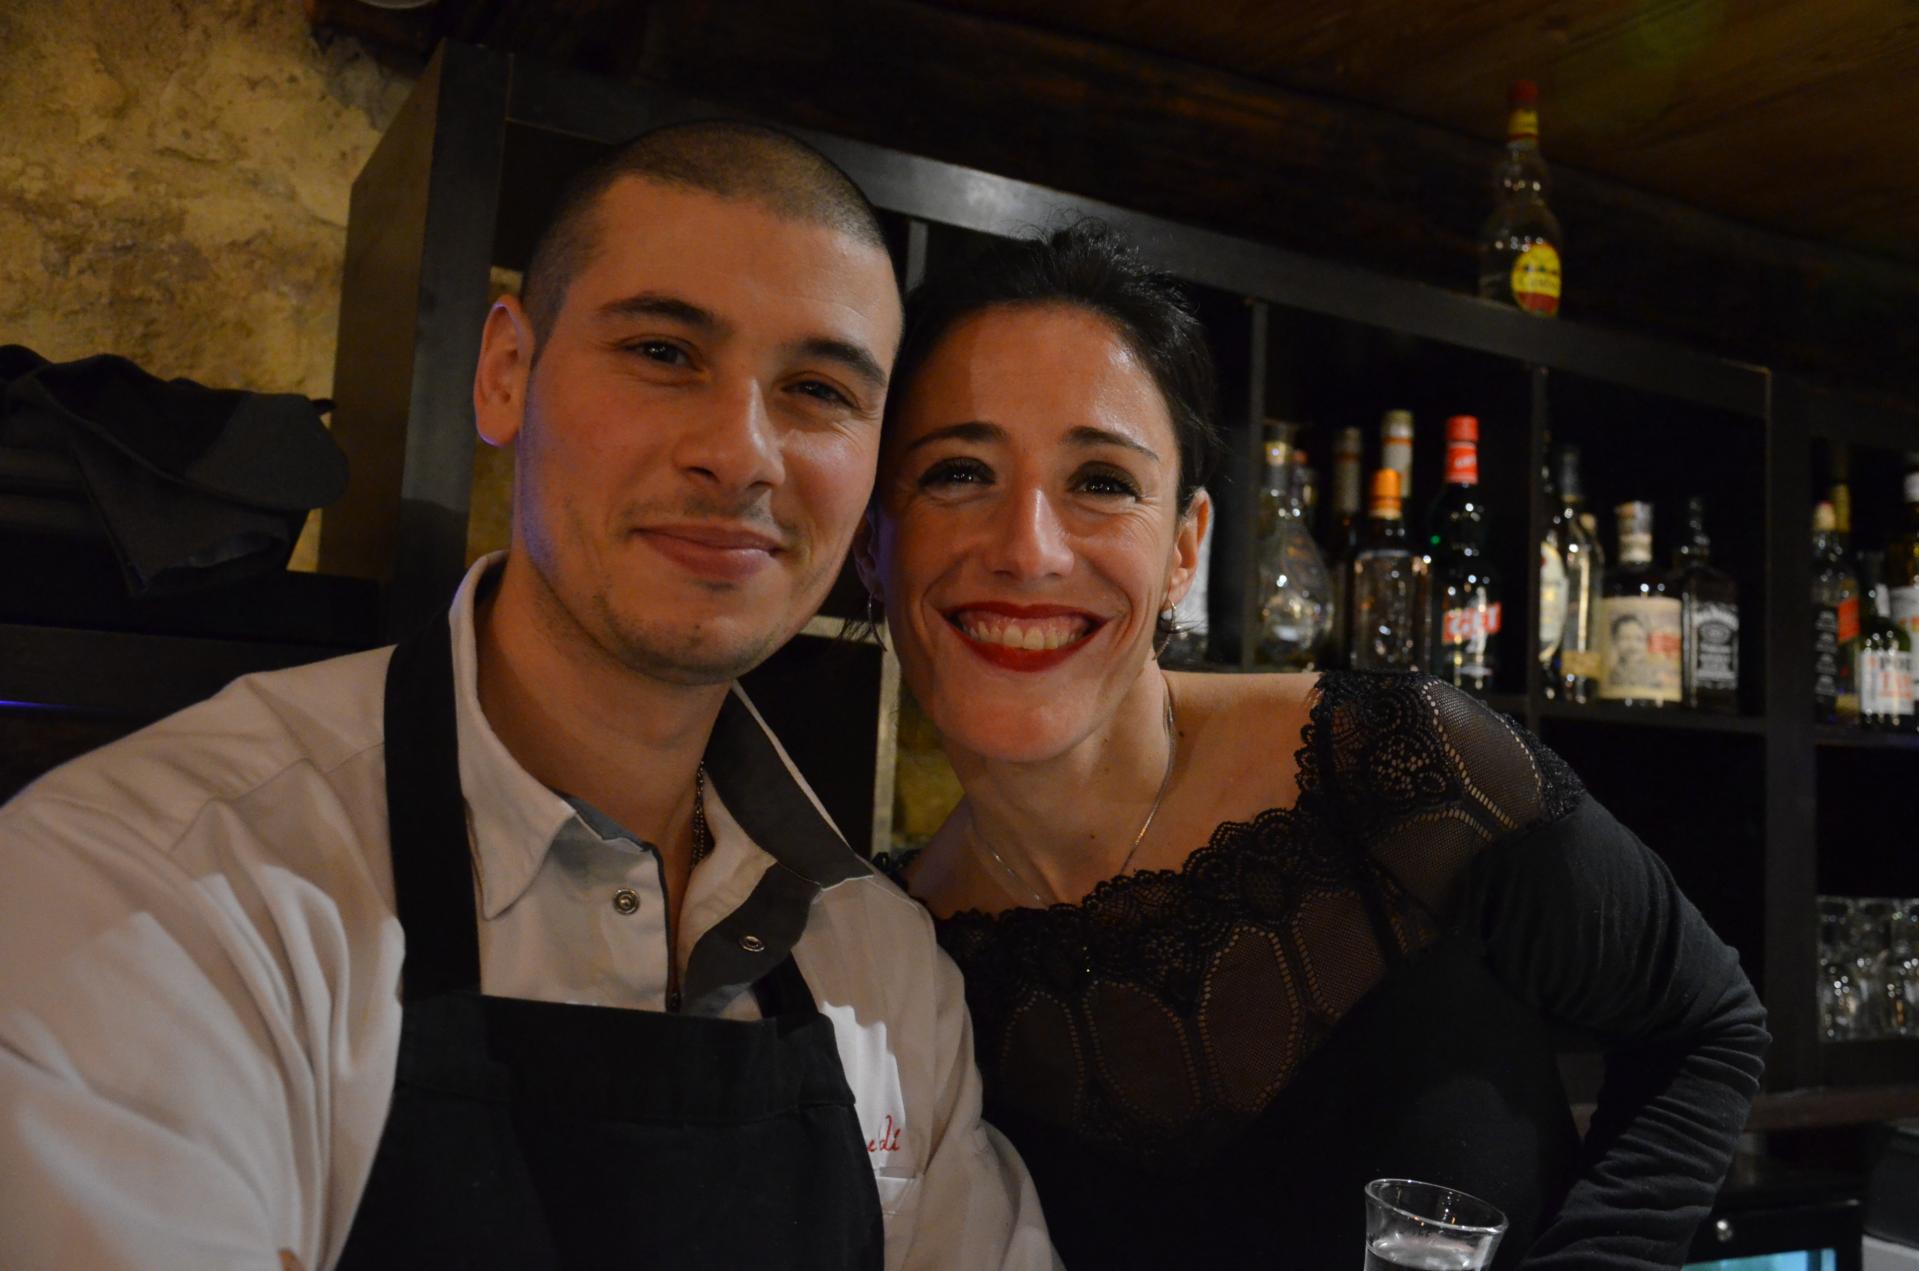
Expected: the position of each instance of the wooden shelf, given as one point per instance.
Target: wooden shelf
(1815, 1107)
(128, 675)
(1669, 718)
(1839, 736)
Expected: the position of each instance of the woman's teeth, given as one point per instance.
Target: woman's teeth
(1036, 634)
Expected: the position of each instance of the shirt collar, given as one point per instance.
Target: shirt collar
(515, 819)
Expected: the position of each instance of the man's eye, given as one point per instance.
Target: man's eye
(824, 392)
(664, 352)
(954, 473)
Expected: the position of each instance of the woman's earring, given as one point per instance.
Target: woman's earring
(874, 618)
(1166, 617)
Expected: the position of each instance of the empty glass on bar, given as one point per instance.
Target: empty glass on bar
(1427, 1227)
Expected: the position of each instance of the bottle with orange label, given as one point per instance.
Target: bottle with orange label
(1464, 613)
(1519, 245)
(1640, 621)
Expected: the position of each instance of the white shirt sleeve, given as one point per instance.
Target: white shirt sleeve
(977, 1208)
(156, 1108)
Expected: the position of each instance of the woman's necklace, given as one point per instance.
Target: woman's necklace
(1014, 876)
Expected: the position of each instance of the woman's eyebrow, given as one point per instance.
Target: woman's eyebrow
(1087, 435)
(972, 430)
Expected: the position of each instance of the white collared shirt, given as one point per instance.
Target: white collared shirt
(200, 965)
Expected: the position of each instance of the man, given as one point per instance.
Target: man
(523, 945)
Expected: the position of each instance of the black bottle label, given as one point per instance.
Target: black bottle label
(1825, 656)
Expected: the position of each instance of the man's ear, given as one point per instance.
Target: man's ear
(1192, 532)
(866, 561)
(506, 363)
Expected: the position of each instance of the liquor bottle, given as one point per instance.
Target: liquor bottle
(1640, 620)
(1384, 631)
(1190, 641)
(1519, 244)
(1835, 621)
(1396, 449)
(1396, 452)
(1573, 672)
(1709, 619)
(1306, 490)
(1342, 536)
(1902, 559)
(1552, 584)
(1885, 665)
(1465, 607)
(1295, 593)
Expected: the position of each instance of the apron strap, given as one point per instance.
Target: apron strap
(426, 814)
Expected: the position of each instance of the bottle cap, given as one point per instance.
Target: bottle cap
(1524, 93)
(1386, 485)
(1397, 423)
(1823, 519)
(1462, 428)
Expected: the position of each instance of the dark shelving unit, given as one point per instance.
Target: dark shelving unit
(465, 176)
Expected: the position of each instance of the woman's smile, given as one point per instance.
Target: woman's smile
(1022, 637)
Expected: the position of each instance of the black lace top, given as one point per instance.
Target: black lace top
(1204, 1066)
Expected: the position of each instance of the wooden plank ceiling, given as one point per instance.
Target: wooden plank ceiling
(1796, 115)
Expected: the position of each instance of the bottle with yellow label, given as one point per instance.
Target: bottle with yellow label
(1520, 243)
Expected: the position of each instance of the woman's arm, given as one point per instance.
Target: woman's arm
(1585, 923)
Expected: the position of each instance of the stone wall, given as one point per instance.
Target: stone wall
(174, 179)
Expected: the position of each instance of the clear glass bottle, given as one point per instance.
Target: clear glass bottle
(1572, 674)
(1343, 533)
(1383, 585)
(1520, 243)
(1835, 622)
(1902, 560)
(1641, 621)
(1552, 584)
(1884, 668)
(1709, 619)
(1296, 594)
(1464, 613)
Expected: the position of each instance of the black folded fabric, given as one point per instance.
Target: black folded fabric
(196, 487)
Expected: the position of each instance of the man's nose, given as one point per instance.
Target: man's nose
(732, 443)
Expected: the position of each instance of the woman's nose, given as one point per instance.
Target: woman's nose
(1028, 539)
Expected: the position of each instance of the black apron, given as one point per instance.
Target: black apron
(531, 1135)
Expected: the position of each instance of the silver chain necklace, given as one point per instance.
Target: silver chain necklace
(1014, 876)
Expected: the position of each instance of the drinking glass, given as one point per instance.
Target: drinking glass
(1872, 934)
(1426, 1227)
(1839, 996)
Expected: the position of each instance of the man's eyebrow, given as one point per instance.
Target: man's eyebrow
(977, 430)
(1086, 435)
(652, 304)
(861, 363)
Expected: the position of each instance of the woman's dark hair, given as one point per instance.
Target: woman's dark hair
(1086, 266)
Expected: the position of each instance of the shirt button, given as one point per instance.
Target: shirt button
(752, 944)
(626, 900)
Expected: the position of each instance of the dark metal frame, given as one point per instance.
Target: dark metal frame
(460, 181)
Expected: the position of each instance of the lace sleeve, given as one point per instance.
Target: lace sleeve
(1426, 777)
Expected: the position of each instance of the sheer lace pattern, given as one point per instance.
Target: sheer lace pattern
(1162, 1014)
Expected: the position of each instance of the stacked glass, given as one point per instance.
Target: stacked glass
(1868, 968)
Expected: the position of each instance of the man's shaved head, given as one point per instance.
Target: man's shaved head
(730, 159)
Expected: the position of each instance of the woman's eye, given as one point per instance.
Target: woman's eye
(1108, 483)
(954, 473)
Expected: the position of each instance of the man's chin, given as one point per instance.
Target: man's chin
(696, 658)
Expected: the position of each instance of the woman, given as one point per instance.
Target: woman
(1235, 945)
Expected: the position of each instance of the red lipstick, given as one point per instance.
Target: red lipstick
(1076, 624)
